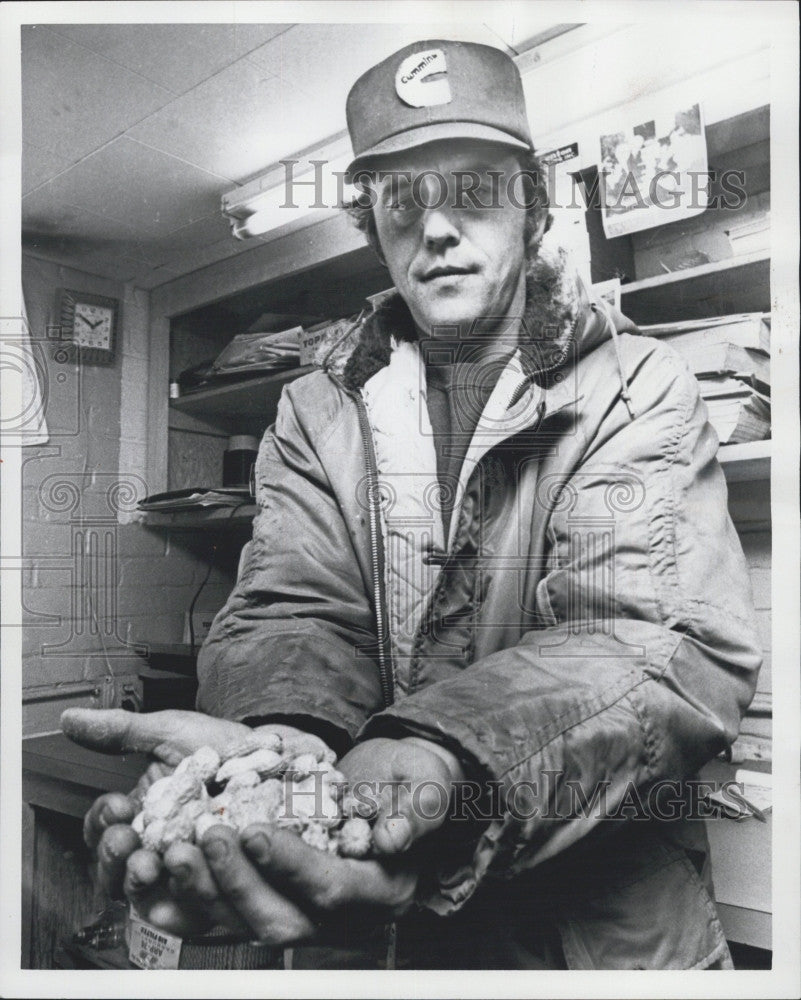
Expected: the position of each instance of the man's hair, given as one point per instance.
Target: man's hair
(535, 200)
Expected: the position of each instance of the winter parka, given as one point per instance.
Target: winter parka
(583, 639)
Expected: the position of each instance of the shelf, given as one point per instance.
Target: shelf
(736, 285)
(58, 774)
(232, 405)
(745, 463)
(208, 518)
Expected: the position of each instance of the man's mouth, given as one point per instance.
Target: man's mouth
(445, 272)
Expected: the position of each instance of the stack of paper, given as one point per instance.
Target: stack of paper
(730, 357)
(749, 794)
(196, 498)
(259, 352)
(750, 330)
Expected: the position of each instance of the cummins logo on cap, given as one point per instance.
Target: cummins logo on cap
(413, 79)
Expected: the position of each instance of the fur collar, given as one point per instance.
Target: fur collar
(548, 336)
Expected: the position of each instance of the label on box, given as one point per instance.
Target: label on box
(560, 155)
(151, 948)
(310, 343)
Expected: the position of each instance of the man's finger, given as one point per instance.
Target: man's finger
(272, 918)
(143, 873)
(192, 883)
(172, 916)
(170, 735)
(295, 741)
(417, 804)
(113, 850)
(405, 818)
(106, 811)
(146, 888)
(323, 881)
(113, 730)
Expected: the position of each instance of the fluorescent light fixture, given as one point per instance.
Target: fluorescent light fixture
(296, 192)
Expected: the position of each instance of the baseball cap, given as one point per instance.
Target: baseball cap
(436, 89)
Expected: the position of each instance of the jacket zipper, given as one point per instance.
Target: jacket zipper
(445, 558)
(385, 669)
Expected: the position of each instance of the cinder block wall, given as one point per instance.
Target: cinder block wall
(92, 583)
(159, 574)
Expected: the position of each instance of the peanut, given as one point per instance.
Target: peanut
(245, 779)
(166, 796)
(265, 762)
(203, 763)
(258, 740)
(355, 838)
(289, 782)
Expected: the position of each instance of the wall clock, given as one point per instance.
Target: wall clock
(89, 322)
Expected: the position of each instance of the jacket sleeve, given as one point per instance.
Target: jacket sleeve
(294, 637)
(651, 656)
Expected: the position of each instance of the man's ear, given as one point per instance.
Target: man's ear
(537, 225)
(375, 243)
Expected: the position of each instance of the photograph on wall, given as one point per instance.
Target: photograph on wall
(651, 172)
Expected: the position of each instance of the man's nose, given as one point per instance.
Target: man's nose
(439, 229)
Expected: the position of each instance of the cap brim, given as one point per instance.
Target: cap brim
(412, 138)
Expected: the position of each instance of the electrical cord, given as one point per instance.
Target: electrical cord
(194, 601)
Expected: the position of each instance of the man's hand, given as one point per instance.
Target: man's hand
(286, 891)
(268, 883)
(168, 736)
(414, 779)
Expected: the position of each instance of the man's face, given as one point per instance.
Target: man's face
(452, 260)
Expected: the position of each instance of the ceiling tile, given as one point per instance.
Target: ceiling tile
(191, 239)
(50, 220)
(309, 61)
(146, 205)
(74, 101)
(523, 26)
(175, 56)
(40, 165)
(235, 124)
(117, 268)
(151, 192)
(310, 56)
(283, 97)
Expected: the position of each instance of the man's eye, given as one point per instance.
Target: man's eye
(487, 189)
(402, 210)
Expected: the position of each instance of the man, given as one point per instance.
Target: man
(493, 547)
